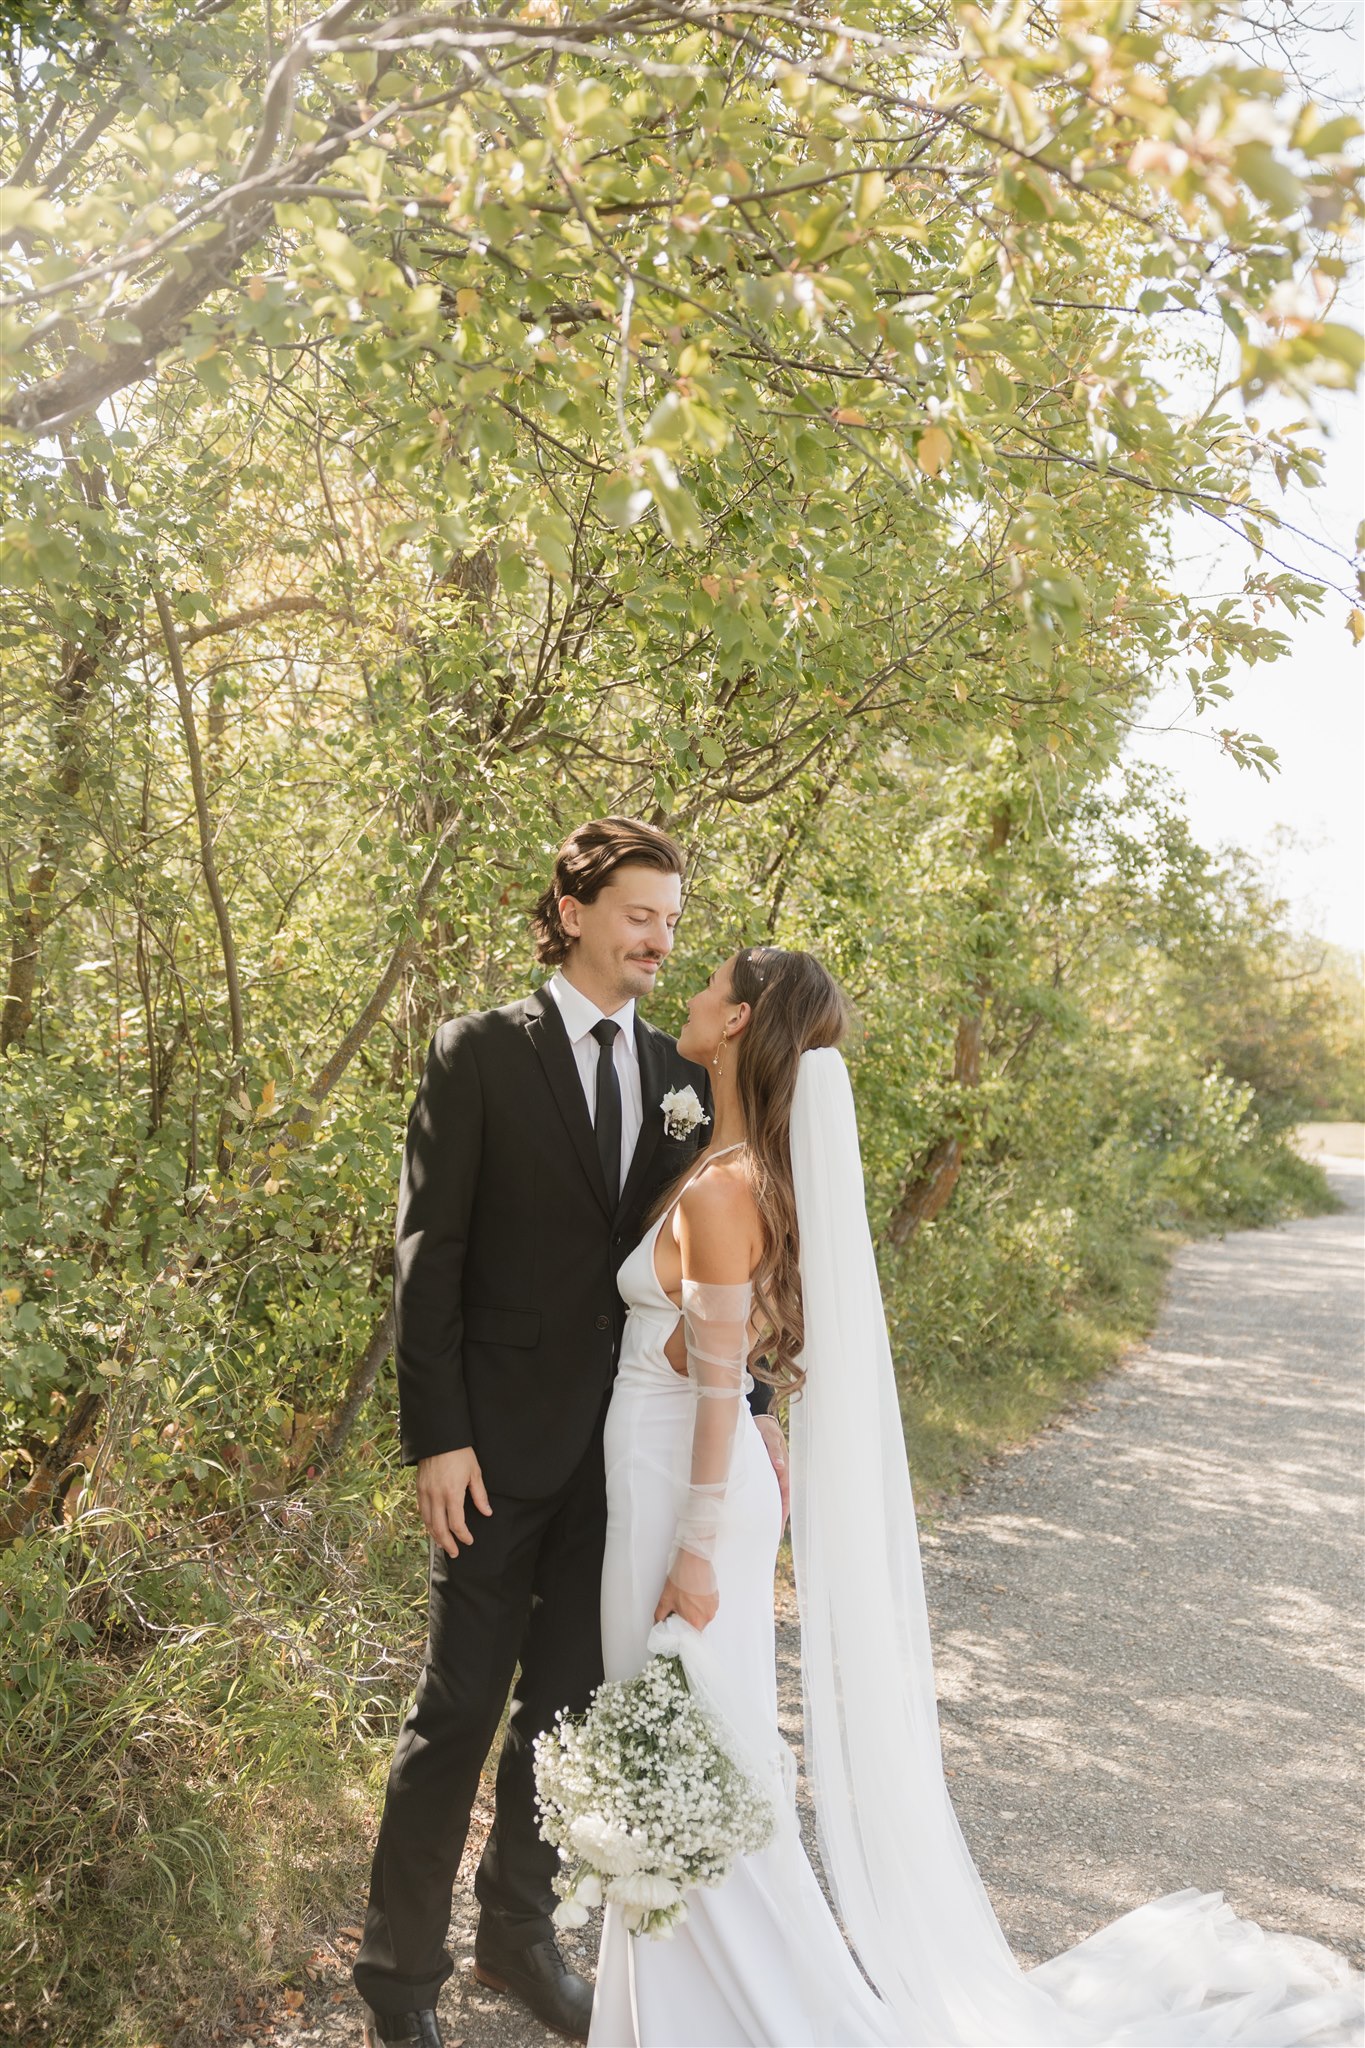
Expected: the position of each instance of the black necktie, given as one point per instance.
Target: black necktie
(607, 1114)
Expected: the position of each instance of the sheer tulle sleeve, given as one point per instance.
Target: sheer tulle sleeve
(716, 1330)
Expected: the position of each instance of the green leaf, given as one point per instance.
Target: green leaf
(1345, 344)
(1269, 177)
(1332, 138)
(820, 228)
(553, 537)
(341, 260)
(666, 426)
(621, 501)
(678, 513)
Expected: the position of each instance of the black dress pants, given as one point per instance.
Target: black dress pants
(524, 1594)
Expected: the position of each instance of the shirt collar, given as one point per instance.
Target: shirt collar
(580, 1014)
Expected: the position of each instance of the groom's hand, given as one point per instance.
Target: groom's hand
(770, 1429)
(442, 1484)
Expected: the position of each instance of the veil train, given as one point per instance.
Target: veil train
(1180, 1972)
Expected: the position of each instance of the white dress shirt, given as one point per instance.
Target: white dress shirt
(579, 1016)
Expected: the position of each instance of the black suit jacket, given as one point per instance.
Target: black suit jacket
(507, 1322)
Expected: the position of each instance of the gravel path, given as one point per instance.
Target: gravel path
(1148, 1621)
(1147, 1629)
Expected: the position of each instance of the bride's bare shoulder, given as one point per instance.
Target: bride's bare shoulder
(718, 1220)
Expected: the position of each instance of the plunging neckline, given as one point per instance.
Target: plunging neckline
(664, 1294)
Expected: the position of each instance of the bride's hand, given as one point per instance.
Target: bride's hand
(690, 1591)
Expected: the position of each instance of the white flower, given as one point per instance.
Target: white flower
(643, 1802)
(605, 1847)
(682, 1112)
(643, 1890)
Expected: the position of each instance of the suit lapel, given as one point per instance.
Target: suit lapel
(649, 1050)
(545, 1029)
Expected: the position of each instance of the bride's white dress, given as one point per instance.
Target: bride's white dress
(760, 1961)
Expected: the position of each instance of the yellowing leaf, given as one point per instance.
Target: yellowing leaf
(869, 190)
(933, 451)
(1355, 625)
(849, 416)
(268, 1095)
(21, 206)
(466, 302)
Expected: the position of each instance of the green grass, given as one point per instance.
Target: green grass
(190, 1755)
(958, 1417)
(965, 1402)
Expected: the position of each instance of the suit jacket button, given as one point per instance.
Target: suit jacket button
(604, 1322)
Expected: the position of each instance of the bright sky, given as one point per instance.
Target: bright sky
(1311, 706)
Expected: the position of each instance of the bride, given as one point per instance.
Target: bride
(694, 1521)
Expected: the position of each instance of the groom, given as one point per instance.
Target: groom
(536, 1145)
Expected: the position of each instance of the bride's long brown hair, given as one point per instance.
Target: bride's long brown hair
(795, 1005)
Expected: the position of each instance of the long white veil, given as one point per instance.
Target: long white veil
(1182, 1969)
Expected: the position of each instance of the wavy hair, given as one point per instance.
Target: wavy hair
(795, 1006)
(585, 864)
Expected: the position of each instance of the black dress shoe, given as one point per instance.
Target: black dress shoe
(418, 2029)
(542, 1980)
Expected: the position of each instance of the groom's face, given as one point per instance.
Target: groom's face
(623, 936)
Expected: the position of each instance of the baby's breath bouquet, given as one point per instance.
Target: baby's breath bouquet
(642, 1802)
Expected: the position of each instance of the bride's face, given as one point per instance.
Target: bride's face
(712, 1013)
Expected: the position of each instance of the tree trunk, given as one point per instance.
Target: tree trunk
(931, 1186)
(52, 1468)
(330, 1442)
(32, 914)
(209, 863)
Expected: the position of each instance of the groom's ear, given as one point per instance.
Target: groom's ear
(568, 916)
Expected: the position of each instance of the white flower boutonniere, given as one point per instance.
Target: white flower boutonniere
(682, 1112)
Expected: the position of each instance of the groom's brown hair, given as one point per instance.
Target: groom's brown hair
(585, 864)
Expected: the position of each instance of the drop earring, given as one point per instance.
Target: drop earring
(717, 1060)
